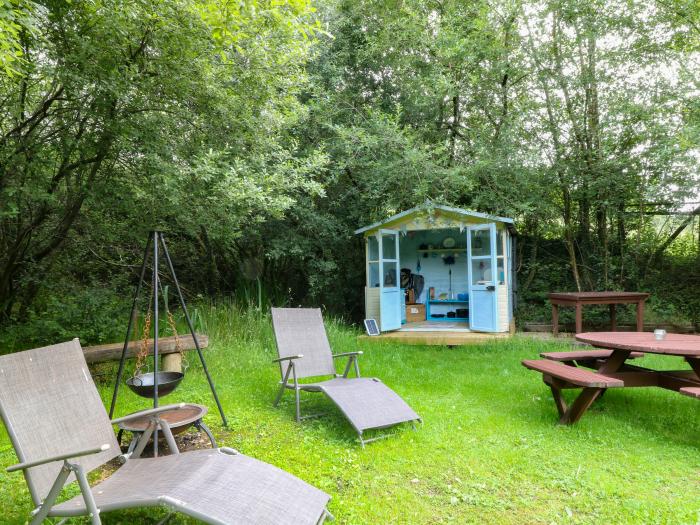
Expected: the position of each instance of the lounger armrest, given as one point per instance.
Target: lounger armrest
(345, 354)
(288, 358)
(352, 361)
(149, 412)
(60, 457)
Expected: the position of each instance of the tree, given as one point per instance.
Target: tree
(123, 107)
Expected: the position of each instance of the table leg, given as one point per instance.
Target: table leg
(558, 400)
(694, 364)
(613, 363)
(579, 318)
(640, 316)
(613, 318)
(589, 394)
(555, 320)
(580, 405)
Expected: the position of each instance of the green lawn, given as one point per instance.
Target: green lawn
(489, 451)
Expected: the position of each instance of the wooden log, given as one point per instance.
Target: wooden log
(166, 345)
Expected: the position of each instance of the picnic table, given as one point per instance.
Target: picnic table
(579, 299)
(608, 366)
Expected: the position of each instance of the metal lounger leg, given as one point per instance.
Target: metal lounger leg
(365, 441)
(143, 440)
(166, 519)
(278, 398)
(89, 499)
(169, 439)
(284, 383)
(298, 403)
(41, 512)
(348, 365)
(325, 515)
(135, 437)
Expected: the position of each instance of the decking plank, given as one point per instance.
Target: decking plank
(437, 338)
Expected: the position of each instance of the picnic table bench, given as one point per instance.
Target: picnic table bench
(606, 366)
(579, 299)
(691, 391)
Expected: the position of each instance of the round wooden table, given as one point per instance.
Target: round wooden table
(616, 368)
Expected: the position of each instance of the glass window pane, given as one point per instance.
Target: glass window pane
(501, 271)
(500, 238)
(373, 277)
(390, 274)
(481, 242)
(373, 248)
(481, 272)
(388, 247)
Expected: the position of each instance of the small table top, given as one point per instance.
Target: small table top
(673, 344)
(176, 418)
(607, 296)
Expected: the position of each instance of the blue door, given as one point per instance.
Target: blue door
(481, 253)
(389, 284)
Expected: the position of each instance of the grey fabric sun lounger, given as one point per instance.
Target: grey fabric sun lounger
(60, 431)
(304, 352)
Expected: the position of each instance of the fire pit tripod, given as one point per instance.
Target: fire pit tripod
(158, 383)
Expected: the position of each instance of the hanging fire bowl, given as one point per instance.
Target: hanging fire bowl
(144, 384)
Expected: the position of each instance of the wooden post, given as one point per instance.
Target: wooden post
(555, 319)
(172, 362)
(613, 318)
(640, 315)
(579, 318)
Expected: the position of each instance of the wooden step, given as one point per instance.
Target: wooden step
(584, 355)
(571, 374)
(692, 391)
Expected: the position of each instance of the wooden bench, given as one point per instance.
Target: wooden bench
(571, 374)
(692, 391)
(559, 376)
(583, 355)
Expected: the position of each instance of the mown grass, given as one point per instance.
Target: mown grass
(488, 452)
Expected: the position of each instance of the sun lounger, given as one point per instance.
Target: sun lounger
(304, 352)
(60, 431)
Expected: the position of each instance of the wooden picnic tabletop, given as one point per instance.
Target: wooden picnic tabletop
(592, 296)
(673, 344)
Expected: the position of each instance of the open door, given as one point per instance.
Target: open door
(481, 253)
(389, 283)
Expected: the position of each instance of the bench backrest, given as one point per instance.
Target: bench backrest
(50, 406)
(301, 331)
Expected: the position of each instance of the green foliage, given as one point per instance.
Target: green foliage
(16, 24)
(130, 117)
(263, 133)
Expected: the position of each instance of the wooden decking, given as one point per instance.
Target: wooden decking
(437, 338)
